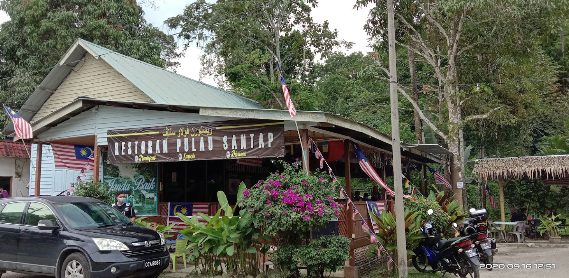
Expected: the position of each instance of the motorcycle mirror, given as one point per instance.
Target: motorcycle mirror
(454, 224)
(430, 211)
(472, 210)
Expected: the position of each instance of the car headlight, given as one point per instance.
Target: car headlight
(162, 239)
(106, 244)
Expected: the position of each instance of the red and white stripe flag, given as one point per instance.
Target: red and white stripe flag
(22, 128)
(73, 156)
(288, 100)
(196, 209)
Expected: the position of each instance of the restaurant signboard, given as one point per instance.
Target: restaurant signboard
(197, 141)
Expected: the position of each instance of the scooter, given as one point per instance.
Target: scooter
(454, 255)
(476, 228)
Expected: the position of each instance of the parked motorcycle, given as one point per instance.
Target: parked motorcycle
(476, 228)
(454, 255)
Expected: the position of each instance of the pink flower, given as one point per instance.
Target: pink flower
(246, 193)
(304, 182)
(306, 217)
(321, 179)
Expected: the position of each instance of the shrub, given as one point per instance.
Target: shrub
(97, 190)
(288, 204)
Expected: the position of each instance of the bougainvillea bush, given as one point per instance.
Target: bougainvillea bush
(290, 203)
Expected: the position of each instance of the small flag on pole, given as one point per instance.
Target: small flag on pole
(440, 179)
(22, 128)
(288, 100)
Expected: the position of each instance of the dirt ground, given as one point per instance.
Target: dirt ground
(517, 261)
(522, 261)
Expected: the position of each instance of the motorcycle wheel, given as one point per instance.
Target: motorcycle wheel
(488, 260)
(420, 262)
(473, 273)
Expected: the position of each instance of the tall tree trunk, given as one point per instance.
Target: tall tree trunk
(453, 141)
(412, 72)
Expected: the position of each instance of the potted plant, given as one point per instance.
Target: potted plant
(551, 226)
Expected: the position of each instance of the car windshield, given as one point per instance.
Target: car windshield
(86, 215)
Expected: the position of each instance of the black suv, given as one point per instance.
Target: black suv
(76, 237)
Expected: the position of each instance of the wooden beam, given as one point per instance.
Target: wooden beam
(38, 169)
(350, 270)
(97, 161)
(502, 210)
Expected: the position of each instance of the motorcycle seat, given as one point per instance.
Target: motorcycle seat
(446, 243)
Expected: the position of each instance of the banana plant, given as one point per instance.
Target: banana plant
(223, 242)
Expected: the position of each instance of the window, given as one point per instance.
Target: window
(37, 212)
(12, 213)
(90, 215)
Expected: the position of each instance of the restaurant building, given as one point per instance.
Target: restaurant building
(169, 139)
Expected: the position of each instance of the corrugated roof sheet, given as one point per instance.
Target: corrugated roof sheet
(165, 87)
(10, 149)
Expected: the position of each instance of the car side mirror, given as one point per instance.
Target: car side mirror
(47, 225)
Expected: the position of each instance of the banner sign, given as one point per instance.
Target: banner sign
(142, 192)
(197, 141)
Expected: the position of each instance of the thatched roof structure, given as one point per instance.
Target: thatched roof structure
(551, 167)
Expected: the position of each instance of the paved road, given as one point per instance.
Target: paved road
(523, 261)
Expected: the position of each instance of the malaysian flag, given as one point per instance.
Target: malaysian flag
(375, 207)
(370, 171)
(440, 179)
(288, 100)
(22, 128)
(187, 209)
(73, 156)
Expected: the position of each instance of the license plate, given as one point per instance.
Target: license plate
(152, 263)
(471, 253)
(485, 246)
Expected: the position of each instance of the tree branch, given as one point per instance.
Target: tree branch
(438, 25)
(421, 114)
(481, 116)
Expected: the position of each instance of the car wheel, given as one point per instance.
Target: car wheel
(75, 266)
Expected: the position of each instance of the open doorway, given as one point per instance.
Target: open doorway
(6, 183)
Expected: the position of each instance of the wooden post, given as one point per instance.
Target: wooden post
(502, 210)
(305, 152)
(97, 161)
(38, 169)
(424, 187)
(350, 270)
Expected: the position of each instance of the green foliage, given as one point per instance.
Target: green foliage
(325, 254)
(245, 40)
(97, 190)
(162, 229)
(387, 234)
(549, 225)
(290, 203)
(225, 243)
(440, 219)
(40, 31)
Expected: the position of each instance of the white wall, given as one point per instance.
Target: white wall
(53, 180)
(19, 170)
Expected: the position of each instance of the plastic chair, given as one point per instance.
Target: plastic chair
(181, 245)
(519, 232)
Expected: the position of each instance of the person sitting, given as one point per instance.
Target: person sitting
(4, 193)
(366, 197)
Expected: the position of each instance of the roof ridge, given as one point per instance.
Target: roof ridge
(163, 69)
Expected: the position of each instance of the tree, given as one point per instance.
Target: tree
(471, 47)
(249, 42)
(40, 31)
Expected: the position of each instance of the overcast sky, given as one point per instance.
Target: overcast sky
(340, 13)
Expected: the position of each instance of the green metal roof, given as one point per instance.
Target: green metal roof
(165, 87)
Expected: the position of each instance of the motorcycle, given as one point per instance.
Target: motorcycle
(476, 228)
(454, 255)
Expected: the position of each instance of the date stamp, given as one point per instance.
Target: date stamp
(519, 266)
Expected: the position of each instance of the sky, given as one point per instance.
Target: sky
(340, 14)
